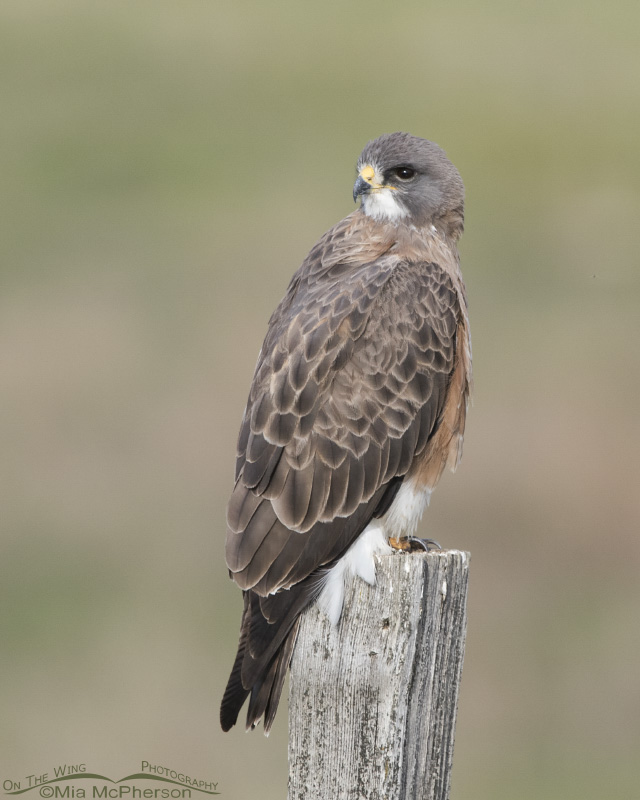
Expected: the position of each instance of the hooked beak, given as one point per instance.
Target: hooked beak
(366, 182)
(360, 187)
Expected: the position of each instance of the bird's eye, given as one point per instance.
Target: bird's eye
(404, 173)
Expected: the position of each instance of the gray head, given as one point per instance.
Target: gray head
(402, 177)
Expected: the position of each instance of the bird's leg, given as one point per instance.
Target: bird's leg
(412, 544)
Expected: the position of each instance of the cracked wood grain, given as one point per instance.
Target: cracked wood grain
(373, 701)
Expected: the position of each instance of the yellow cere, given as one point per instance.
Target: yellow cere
(367, 173)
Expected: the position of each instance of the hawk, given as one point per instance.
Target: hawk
(357, 404)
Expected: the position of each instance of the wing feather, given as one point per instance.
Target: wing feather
(350, 387)
(243, 546)
(317, 449)
(292, 504)
(267, 551)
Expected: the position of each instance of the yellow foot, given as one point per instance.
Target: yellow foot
(412, 544)
(400, 544)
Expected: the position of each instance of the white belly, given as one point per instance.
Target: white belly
(401, 519)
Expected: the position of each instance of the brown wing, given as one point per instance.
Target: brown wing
(349, 388)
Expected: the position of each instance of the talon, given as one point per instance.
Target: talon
(416, 544)
(428, 544)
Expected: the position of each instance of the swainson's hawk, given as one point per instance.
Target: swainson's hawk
(358, 402)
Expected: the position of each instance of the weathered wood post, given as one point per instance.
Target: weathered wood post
(372, 705)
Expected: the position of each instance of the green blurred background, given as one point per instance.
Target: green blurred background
(165, 168)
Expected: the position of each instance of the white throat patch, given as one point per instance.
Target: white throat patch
(380, 202)
(383, 205)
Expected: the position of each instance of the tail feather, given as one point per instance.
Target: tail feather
(264, 653)
(235, 694)
(260, 696)
(270, 624)
(282, 665)
(266, 695)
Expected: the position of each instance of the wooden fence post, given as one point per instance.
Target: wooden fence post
(372, 705)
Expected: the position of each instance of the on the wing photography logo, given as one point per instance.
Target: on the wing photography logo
(74, 782)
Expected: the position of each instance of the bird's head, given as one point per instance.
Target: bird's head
(404, 178)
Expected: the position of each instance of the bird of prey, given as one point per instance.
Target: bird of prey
(357, 404)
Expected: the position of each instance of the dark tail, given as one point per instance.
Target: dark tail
(270, 626)
(268, 634)
(235, 694)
